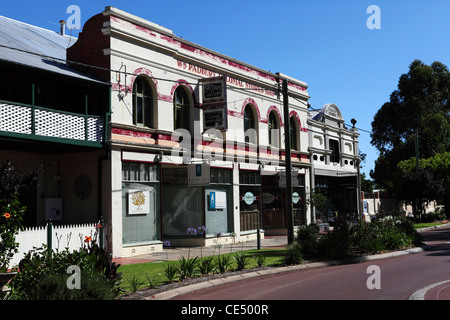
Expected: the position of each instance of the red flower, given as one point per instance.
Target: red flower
(7, 215)
(87, 239)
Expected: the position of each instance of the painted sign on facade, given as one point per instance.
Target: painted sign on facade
(214, 100)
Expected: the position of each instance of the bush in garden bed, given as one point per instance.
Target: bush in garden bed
(44, 271)
(389, 233)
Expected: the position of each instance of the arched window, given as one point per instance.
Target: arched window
(142, 103)
(250, 128)
(293, 133)
(181, 109)
(274, 130)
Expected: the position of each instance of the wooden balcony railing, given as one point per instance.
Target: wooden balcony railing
(42, 122)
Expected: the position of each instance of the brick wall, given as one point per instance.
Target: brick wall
(89, 48)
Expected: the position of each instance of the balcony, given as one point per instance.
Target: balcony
(31, 122)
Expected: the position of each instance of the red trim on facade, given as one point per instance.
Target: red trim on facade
(139, 72)
(275, 108)
(253, 103)
(235, 114)
(182, 82)
(199, 51)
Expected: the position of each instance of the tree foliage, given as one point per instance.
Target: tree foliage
(439, 167)
(421, 103)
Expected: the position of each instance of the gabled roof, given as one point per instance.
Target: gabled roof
(36, 47)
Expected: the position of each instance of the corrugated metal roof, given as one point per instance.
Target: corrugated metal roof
(29, 45)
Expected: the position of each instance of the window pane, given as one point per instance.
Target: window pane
(125, 171)
(148, 111)
(144, 173)
(139, 111)
(227, 174)
(134, 172)
(139, 81)
(213, 175)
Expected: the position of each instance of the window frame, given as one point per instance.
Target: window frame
(182, 108)
(274, 124)
(146, 94)
(335, 153)
(250, 123)
(294, 134)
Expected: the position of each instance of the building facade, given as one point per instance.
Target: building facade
(335, 161)
(196, 138)
(52, 118)
(164, 139)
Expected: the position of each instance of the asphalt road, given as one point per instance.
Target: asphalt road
(397, 277)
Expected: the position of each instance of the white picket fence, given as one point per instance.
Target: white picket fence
(62, 237)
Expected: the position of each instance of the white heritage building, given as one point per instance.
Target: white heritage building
(190, 138)
(335, 163)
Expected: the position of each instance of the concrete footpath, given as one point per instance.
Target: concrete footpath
(436, 291)
(174, 253)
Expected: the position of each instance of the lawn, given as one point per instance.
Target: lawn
(426, 225)
(152, 274)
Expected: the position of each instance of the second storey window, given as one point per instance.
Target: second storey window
(142, 103)
(181, 109)
(293, 133)
(250, 132)
(274, 130)
(334, 147)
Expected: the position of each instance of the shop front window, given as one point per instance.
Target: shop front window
(218, 204)
(274, 202)
(249, 199)
(182, 205)
(140, 203)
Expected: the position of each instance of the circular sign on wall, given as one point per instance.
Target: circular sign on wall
(268, 198)
(249, 198)
(295, 197)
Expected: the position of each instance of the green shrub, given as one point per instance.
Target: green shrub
(388, 233)
(241, 260)
(39, 265)
(335, 244)
(293, 254)
(187, 267)
(260, 260)
(170, 270)
(11, 219)
(223, 263)
(54, 287)
(206, 265)
(307, 237)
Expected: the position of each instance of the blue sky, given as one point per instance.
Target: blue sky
(325, 43)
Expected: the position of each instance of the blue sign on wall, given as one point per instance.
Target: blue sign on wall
(212, 200)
